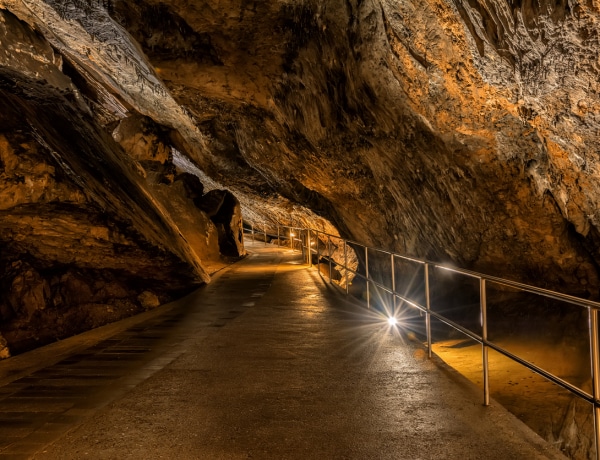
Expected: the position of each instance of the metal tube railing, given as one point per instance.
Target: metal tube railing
(591, 306)
(330, 259)
(318, 255)
(484, 339)
(595, 364)
(505, 282)
(509, 283)
(428, 311)
(367, 276)
(346, 267)
(393, 275)
(265, 235)
(309, 249)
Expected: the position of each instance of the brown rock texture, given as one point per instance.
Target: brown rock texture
(464, 132)
(88, 236)
(449, 130)
(142, 139)
(135, 135)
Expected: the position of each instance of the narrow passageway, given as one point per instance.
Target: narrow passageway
(268, 361)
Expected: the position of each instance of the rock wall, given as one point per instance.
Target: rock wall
(91, 231)
(459, 131)
(134, 134)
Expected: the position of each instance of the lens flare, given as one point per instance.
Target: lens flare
(392, 321)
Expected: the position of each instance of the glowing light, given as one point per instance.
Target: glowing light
(392, 321)
(292, 234)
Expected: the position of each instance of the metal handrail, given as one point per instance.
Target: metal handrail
(592, 307)
(505, 282)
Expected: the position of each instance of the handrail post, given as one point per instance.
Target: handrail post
(252, 226)
(346, 265)
(307, 233)
(393, 312)
(302, 233)
(428, 314)
(318, 252)
(329, 257)
(309, 243)
(278, 237)
(292, 238)
(484, 347)
(367, 276)
(595, 357)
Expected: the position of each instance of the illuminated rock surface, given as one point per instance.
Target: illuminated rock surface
(458, 131)
(133, 134)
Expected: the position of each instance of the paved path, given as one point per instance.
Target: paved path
(266, 362)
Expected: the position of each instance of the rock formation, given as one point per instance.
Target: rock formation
(464, 132)
(134, 134)
(91, 230)
(458, 131)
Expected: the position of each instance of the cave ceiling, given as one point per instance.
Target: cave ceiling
(464, 131)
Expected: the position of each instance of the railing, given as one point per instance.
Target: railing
(311, 241)
(291, 234)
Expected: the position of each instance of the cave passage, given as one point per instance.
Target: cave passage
(267, 361)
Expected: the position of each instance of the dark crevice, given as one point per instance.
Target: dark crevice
(164, 34)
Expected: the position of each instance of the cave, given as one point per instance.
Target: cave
(139, 139)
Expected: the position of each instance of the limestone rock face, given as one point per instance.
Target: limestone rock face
(224, 210)
(84, 240)
(140, 137)
(459, 131)
(148, 300)
(204, 222)
(4, 351)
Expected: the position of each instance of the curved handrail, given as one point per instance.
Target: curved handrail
(304, 236)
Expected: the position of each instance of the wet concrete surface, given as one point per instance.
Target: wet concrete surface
(268, 362)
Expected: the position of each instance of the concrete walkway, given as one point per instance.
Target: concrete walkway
(267, 362)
